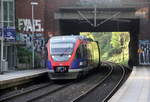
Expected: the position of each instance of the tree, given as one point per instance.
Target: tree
(88, 35)
(115, 40)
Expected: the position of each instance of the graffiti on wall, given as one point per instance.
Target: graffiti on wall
(25, 35)
(26, 28)
(39, 41)
(26, 25)
(144, 52)
(142, 12)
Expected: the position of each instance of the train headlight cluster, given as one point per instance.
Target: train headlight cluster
(81, 64)
(69, 56)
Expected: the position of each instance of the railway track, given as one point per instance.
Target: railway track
(117, 85)
(87, 95)
(49, 92)
(72, 91)
(32, 95)
(76, 91)
(21, 92)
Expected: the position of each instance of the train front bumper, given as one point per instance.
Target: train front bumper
(71, 74)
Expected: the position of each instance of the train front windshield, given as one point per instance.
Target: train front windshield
(61, 51)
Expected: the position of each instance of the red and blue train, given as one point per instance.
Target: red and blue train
(70, 57)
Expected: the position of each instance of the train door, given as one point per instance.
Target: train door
(81, 56)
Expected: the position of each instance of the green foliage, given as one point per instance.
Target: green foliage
(24, 55)
(114, 45)
(115, 40)
(88, 35)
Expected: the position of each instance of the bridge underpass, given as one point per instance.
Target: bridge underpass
(83, 20)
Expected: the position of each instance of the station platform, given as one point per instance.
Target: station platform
(10, 79)
(136, 88)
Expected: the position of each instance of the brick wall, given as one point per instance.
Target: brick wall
(45, 11)
(23, 11)
(51, 25)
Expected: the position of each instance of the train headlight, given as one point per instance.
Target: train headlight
(69, 56)
(53, 56)
(81, 64)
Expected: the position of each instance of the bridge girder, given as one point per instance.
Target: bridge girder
(101, 13)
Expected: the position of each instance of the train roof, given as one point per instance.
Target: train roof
(72, 38)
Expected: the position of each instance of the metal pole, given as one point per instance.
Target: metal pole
(95, 19)
(116, 14)
(33, 36)
(88, 21)
(33, 29)
(2, 38)
(95, 14)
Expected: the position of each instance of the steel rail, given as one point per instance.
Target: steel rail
(2, 99)
(117, 85)
(95, 86)
(50, 92)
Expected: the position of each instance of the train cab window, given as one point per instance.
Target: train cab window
(79, 53)
(84, 51)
